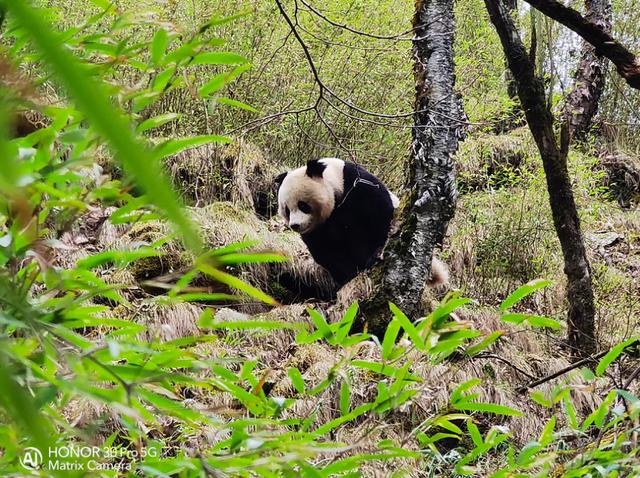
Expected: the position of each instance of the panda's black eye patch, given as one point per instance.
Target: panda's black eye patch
(304, 207)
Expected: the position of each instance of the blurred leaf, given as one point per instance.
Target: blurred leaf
(345, 398)
(170, 407)
(173, 146)
(236, 104)
(157, 121)
(383, 369)
(218, 58)
(121, 258)
(484, 343)
(92, 100)
(475, 433)
(159, 45)
(236, 283)
(532, 320)
(546, 436)
(487, 408)
(333, 424)
(205, 297)
(233, 258)
(457, 394)
(296, 380)
(255, 324)
(217, 21)
(21, 408)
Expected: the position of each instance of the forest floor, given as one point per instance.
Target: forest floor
(502, 237)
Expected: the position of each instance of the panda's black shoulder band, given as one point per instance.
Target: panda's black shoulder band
(355, 184)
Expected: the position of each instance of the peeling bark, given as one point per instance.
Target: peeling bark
(582, 103)
(554, 158)
(439, 126)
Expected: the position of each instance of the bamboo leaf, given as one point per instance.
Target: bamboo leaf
(484, 343)
(297, 380)
(345, 398)
(487, 408)
(221, 80)
(91, 99)
(612, 355)
(344, 326)
(173, 146)
(236, 283)
(523, 291)
(157, 121)
(236, 104)
(159, 45)
(406, 324)
(390, 336)
(218, 58)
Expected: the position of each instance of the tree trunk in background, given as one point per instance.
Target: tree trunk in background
(582, 103)
(516, 115)
(438, 127)
(565, 216)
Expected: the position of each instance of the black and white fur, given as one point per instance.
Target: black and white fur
(342, 212)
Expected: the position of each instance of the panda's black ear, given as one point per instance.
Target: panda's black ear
(279, 178)
(315, 168)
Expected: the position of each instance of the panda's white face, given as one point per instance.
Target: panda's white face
(307, 195)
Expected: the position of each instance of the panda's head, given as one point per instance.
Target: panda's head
(308, 195)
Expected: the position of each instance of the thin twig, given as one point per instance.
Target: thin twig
(584, 361)
(324, 88)
(397, 37)
(506, 362)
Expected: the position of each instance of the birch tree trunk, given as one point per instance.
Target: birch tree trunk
(438, 128)
(581, 316)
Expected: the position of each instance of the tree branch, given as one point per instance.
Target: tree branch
(324, 88)
(567, 369)
(358, 32)
(626, 62)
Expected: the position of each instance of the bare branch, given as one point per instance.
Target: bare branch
(569, 368)
(259, 122)
(324, 88)
(359, 32)
(626, 62)
(506, 362)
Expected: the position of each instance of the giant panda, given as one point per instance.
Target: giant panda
(342, 212)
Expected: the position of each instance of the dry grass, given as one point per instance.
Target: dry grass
(489, 161)
(497, 241)
(238, 172)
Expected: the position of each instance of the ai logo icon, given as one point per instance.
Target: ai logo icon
(31, 459)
